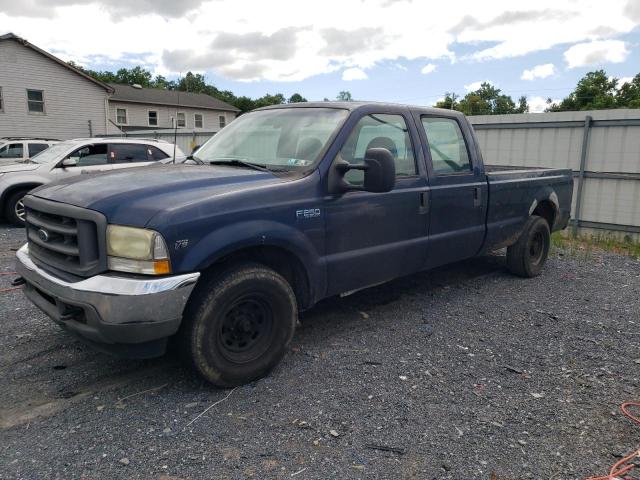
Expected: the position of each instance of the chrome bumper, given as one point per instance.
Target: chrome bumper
(108, 308)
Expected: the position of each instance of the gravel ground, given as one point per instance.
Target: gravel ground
(465, 372)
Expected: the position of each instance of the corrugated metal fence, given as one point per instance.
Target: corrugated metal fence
(601, 147)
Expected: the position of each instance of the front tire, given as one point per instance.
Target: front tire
(238, 324)
(528, 255)
(14, 208)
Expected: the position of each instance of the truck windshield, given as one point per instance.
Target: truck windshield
(279, 139)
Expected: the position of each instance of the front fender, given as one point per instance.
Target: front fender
(238, 236)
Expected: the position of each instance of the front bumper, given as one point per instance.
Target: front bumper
(127, 315)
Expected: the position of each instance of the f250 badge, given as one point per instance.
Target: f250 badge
(308, 213)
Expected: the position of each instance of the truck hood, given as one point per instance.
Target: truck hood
(134, 196)
(18, 167)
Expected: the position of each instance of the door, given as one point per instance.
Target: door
(129, 155)
(374, 237)
(87, 159)
(458, 192)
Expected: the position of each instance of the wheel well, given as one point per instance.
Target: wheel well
(11, 190)
(279, 259)
(546, 210)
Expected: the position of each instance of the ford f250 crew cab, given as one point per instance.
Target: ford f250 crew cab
(286, 205)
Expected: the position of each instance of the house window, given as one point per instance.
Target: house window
(153, 118)
(35, 101)
(1, 102)
(197, 120)
(182, 121)
(121, 116)
(223, 121)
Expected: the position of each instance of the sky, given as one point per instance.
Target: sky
(406, 51)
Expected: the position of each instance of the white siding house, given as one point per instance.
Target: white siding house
(42, 96)
(132, 108)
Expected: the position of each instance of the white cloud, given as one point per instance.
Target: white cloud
(538, 104)
(539, 71)
(428, 68)
(354, 74)
(596, 52)
(476, 85)
(623, 80)
(267, 45)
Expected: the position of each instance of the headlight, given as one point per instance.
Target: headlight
(137, 250)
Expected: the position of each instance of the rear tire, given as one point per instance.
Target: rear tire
(238, 324)
(527, 256)
(14, 208)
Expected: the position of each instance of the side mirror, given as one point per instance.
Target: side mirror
(379, 173)
(70, 162)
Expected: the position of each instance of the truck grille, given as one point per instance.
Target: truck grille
(65, 237)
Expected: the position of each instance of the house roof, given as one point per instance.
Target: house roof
(22, 41)
(158, 96)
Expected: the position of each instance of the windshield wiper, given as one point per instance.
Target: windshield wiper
(235, 162)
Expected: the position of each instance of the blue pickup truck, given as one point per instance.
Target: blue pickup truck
(285, 206)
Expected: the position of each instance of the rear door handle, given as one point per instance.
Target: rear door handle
(477, 196)
(424, 203)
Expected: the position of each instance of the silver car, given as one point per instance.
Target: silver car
(76, 157)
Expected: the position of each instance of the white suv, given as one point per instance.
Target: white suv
(15, 149)
(75, 157)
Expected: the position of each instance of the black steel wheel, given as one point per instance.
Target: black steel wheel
(238, 324)
(527, 256)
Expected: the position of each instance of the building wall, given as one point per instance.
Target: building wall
(71, 101)
(611, 187)
(138, 114)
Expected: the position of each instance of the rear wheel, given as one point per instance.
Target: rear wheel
(238, 324)
(528, 255)
(14, 208)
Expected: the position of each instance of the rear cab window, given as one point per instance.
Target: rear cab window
(447, 145)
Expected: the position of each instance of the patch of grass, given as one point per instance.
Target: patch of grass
(583, 246)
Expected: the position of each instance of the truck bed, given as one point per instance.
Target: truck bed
(516, 192)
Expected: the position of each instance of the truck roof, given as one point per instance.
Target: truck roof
(357, 105)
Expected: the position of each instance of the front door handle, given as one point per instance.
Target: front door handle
(424, 203)
(477, 196)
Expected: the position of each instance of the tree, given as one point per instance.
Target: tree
(191, 82)
(486, 100)
(344, 96)
(594, 91)
(296, 98)
(449, 101)
(629, 94)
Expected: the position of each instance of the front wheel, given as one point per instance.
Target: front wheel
(238, 324)
(14, 209)
(528, 255)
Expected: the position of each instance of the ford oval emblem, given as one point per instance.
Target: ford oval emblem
(43, 235)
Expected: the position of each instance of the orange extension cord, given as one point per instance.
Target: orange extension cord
(623, 466)
(3, 290)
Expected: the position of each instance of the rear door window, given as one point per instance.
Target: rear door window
(12, 150)
(35, 148)
(447, 145)
(129, 153)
